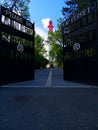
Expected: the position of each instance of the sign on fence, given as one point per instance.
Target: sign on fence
(16, 46)
(80, 43)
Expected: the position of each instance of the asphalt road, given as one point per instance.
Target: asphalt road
(48, 108)
(48, 78)
(47, 105)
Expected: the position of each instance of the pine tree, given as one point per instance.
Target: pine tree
(18, 6)
(83, 4)
(73, 6)
(69, 8)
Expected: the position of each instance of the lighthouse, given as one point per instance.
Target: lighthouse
(50, 26)
(47, 43)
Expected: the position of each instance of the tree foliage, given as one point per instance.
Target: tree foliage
(39, 42)
(73, 6)
(18, 6)
(40, 60)
(69, 8)
(56, 54)
(56, 47)
(83, 4)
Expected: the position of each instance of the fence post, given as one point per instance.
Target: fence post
(97, 21)
(97, 26)
(33, 28)
(0, 26)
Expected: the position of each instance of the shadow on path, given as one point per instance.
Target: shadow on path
(48, 78)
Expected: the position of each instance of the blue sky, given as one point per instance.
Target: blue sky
(43, 10)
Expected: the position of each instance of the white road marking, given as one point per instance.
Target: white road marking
(49, 80)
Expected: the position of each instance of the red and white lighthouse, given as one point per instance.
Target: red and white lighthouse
(50, 26)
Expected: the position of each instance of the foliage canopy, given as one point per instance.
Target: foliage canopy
(19, 6)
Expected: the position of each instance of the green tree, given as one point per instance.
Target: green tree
(69, 8)
(18, 6)
(83, 4)
(56, 54)
(40, 60)
(73, 6)
(56, 46)
(39, 44)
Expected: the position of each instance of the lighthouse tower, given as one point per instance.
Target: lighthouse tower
(50, 26)
(47, 43)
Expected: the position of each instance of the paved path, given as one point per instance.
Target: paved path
(48, 108)
(48, 78)
(48, 103)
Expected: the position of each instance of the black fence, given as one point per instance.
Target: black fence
(80, 45)
(16, 47)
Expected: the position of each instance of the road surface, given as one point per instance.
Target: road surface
(48, 78)
(45, 105)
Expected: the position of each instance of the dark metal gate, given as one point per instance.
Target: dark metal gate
(80, 45)
(16, 47)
